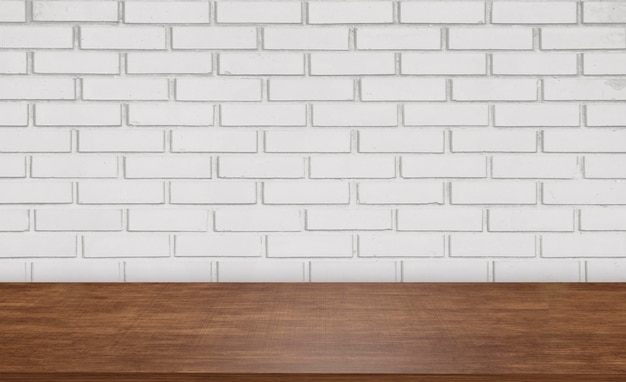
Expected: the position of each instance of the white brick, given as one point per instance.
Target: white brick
(160, 12)
(534, 63)
(174, 166)
(585, 89)
(77, 271)
(31, 140)
(259, 12)
(313, 141)
(537, 271)
(78, 220)
(440, 219)
(262, 219)
(222, 245)
(162, 271)
(604, 63)
(353, 12)
(494, 89)
(583, 245)
(14, 220)
(490, 38)
(584, 141)
(75, 11)
(492, 245)
(36, 37)
(501, 192)
(261, 63)
(168, 220)
(400, 38)
(348, 219)
(604, 12)
(584, 192)
(263, 115)
(76, 62)
(606, 271)
(266, 271)
(534, 12)
(35, 192)
(401, 141)
(37, 245)
(214, 38)
(167, 114)
(606, 115)
(169, 62)
(403, 89)
(125, 89)
(541, 166)
(607, 166)
(444, 114)
(442, 12)
(297, 38)
(12, 11)
(67, 114)
(310, 245)
(355, 114)
(362, 166)
(119, 192)
(445, 271)
(440, 166)
(214, 89)
(12, 166)
(353, 271)
(235, 141)
(73, 166)
(13, 114)
(529, 220)
(583, 38)
(13, 272)
(390, 192)
(191, 192)
(261, 167)
(120, 141)
(311, 89)
(114, 37)
(126, 245)
(400, 245)
(443, 63)
(473, 140)
(21, 88)
(537, 115)
(306, 192)
(12, 62)
(351, 63)
(603, 219)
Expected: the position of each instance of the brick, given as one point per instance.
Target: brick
(494, 89)
(542, 166)
(401, 141)
(173, 166)
(606, 115)
(263, 115)
(166, 12)
(311, 89)
(261, 63)
(196, 192)
(353, 271)
(12, 11)
(261, 167)
(583, 38)
(537, 115)
(214, 37)
(35, 192)
(362, 166)
(37, 245)
(583, 245)
(390, 192)
(400, 245)
(169, 63)
(127, 37)
(353, 114)
(74, 11)
(68, 114)
(219, 245)
(439, 12)
(78, 62)
(202, 141)
(309, 245)
(546, 12)
(126, 245)
(606, 271)
(306, 192)
(495, 38)
(107, 141)
(13, 114)
(529, 220)
(603, 219)
(168, 114)
(78, 220)
(261, 219)
(348, 219)
(605, 166)
(73, 166)
(443, 63)
(604, 12)
(14, 221)
(260, 271)
(12, 166)
(21, 88)
(297, 38)
(604, 63)
(473, 140)
(537, 271)
(354, 12)
(352, 63)
(611, 141)
(36, 37)
(259, 12)
(167, 271)
(440, 219)
(492, 245)
(13, 272)
(119, 192)
(501, 192)
(12, 62)
(403, 89)
(447, 114)
(445, 271)
(214, 89)
(440, 166)
(534, 63)
(400, 38)
(307, 141)
(585, 192)
(34, 141)
(148, 89)
(168, 220)
(585, 89)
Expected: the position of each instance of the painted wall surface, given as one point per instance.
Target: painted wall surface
(312, 140)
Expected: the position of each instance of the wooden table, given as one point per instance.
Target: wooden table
(312, 332)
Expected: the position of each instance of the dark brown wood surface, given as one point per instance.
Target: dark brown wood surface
(313, 332)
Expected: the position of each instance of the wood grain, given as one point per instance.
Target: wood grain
(312, 332)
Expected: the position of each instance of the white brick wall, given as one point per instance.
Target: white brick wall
(312, 140)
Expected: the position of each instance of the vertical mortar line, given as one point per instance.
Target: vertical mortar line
(491, 271)
(398, 271)
(579, 12)
(584, 271)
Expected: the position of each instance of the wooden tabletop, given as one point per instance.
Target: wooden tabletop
(312, 332)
